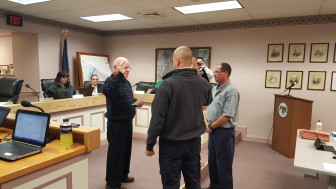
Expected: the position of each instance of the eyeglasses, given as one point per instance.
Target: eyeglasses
(217, 72)
(127, 68)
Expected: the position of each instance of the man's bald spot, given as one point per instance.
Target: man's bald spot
(184, 54)
(118, 61)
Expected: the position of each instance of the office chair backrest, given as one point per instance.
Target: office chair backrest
(45, 84)
(144, 86)
(88, 83)
(10, 89)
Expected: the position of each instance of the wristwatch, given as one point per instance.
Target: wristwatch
(210, 127)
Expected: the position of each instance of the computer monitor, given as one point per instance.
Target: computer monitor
(86, 91)
(63, 94)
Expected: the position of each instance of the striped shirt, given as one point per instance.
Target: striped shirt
(119, 98)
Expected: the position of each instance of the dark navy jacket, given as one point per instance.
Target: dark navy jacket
(119, 98)
(177, 109)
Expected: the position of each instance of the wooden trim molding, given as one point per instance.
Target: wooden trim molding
(67, 177)
(103, 130)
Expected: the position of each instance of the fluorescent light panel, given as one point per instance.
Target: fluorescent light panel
(27, 2)
(106, 18)
(208, 7)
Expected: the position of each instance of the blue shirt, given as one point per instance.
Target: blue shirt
(225, 102)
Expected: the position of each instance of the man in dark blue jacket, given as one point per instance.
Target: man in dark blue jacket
(177, 117)
(119, 114)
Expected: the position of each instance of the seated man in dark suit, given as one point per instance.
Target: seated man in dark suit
(95, 84)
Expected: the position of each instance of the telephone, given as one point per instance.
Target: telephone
(320, 145)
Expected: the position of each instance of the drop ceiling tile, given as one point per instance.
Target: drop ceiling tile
(49, 7)
(328, 7)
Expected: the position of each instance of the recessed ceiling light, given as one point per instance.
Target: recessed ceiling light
(106, 18)
(208, 7)
(27, 2)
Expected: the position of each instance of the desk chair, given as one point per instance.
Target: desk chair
(144, 86)
(10, 89)
(100, 85)
(45, 84)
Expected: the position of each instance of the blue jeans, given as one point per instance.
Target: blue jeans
(221, 152)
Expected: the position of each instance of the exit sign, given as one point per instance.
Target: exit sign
(14, 20)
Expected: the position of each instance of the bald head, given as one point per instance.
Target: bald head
(118, 61)
(122, 65)
(182, 56)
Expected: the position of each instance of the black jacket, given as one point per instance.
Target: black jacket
(177, 109)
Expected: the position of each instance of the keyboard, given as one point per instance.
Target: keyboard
(328, 148)
(18, 148)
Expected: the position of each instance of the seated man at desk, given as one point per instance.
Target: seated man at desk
(61, 83)
(97, 88)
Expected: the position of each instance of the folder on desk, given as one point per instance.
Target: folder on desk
(29, 135)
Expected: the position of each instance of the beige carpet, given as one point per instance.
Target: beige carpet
(256, 166)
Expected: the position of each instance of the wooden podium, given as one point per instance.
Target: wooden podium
(290, 113)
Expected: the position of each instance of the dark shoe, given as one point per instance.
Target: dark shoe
(128, 180)
(107, 187)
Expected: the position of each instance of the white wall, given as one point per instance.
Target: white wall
(246, 51)
(6, 54)
(50, 43)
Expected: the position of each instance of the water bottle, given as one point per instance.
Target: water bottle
(66, 134)
(319, 126)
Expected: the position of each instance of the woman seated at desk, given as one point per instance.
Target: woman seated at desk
(61, 83)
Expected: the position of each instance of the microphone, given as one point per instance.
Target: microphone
(25, 103)
(28, 86)
(292, 85)
(290, 88)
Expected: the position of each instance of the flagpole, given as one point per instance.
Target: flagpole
(65, 62)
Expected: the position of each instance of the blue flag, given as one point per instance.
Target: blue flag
(65, 62)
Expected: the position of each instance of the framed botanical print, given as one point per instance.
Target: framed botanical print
(294, 77)
(296, 52)
(4, 69)
(316, 80)
(333, 81)
(319, 52)
(275, 52)
(273, 79)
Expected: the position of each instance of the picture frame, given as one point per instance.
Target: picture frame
(335, 54)
(4, 69)
(275, 52)
(333, 81)
(296, 52)
(294, 77)
(273, 79)
(164, 59)
(319, 52)
(316, 80)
